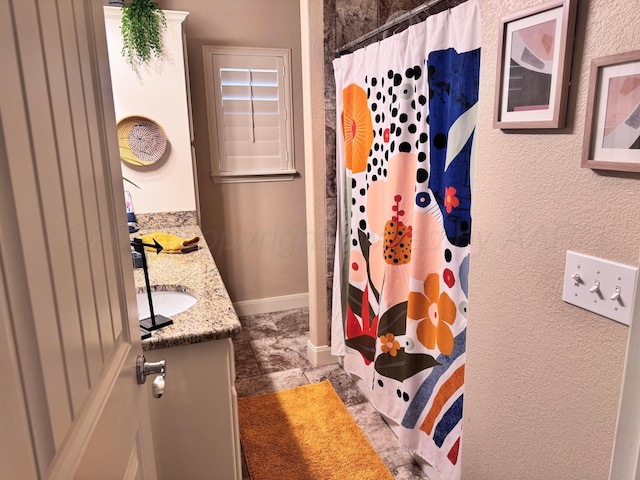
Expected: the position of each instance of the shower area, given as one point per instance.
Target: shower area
(400, 119)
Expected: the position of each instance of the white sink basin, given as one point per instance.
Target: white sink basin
(164, 303)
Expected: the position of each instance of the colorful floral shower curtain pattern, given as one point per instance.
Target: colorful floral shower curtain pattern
(407, 110)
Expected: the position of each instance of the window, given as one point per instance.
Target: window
(249, 111)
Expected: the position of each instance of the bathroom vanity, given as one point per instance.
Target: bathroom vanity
(195, 422)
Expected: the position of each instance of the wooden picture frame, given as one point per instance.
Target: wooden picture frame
(534, 65)
(612, 123)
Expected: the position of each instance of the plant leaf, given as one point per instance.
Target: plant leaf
(365, 344)
(355, 300)
(353, 328)
(394, 320)
(366, 311)
(129, 181)
(373, 328)
(141, 26)
(403, 365)
(365, 245)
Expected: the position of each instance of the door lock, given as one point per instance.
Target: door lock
(144, 369)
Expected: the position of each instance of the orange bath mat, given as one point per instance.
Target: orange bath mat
(305, 433)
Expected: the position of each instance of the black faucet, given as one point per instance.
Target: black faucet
(154, 322)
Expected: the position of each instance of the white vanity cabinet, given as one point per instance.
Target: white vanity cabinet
(195, 423)
(160, 92)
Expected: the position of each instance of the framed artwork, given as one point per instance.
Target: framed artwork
(534, 65)
(612, 124)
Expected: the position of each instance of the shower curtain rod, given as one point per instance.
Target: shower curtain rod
(387, 26)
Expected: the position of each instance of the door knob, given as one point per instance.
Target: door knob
(144, 369)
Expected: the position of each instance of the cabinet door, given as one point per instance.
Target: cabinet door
(195, 426)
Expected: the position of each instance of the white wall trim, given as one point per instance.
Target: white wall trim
(625, 459)
(271, 304)
(319, 356)
(312, 45)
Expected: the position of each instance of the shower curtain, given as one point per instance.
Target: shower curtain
(406, 114)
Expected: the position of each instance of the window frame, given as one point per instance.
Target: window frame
(223, 170)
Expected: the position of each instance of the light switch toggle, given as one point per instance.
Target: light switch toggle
(596, 287)
(616, 295)
(576, 278)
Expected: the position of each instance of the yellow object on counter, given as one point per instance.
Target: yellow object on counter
(171, 243)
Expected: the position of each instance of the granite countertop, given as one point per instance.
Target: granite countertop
(213, 316)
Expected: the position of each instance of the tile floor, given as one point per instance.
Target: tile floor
(271, 355)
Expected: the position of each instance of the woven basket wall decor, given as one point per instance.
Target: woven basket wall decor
(142, 141)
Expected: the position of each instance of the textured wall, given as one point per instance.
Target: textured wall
(256, 231)
(544, 377)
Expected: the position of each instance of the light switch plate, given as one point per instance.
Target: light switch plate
(609, 277)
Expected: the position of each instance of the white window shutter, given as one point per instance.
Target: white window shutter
(248, 99)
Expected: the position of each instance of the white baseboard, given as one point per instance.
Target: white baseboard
(271, 304)
(319, 356)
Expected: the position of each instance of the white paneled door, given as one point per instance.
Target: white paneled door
(70, 406)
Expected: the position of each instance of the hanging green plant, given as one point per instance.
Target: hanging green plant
(141, 27)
